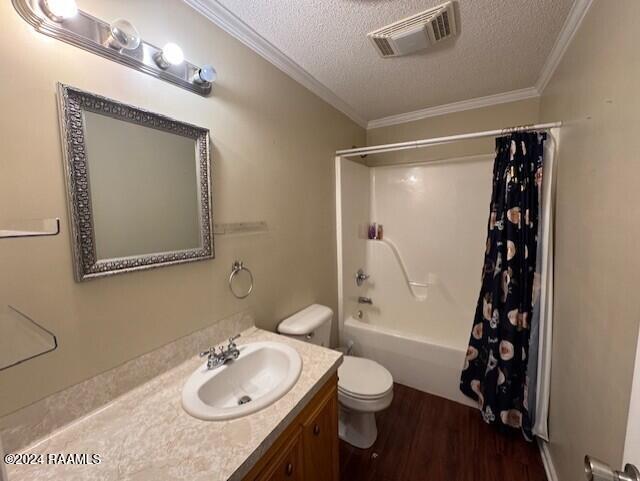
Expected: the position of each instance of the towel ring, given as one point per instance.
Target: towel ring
(236, 268)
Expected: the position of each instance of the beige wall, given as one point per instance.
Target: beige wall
(273, 145)
(595, 92)
(487, 118)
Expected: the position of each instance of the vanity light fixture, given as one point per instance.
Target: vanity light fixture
(118, 41)
(171, 54)
(59, 10)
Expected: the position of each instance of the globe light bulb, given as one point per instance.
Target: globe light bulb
(123, 35)
(59, 10)
(171, 55)
(205, 75)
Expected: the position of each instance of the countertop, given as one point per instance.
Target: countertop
(146, 435)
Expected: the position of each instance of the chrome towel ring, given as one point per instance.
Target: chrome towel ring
(236, 268)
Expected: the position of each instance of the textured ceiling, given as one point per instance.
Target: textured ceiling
(502, 46)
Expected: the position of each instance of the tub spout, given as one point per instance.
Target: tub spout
(365, 300)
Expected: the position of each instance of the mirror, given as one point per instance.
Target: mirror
(138, 186)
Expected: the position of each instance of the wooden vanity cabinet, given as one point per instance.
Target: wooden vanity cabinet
(286, 466)
(320, 441)
(308, 449)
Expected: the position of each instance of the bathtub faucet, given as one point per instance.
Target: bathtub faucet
(365, 300)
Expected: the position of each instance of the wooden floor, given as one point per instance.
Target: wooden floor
(426, 438)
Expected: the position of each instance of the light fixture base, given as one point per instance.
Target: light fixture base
(160, 61)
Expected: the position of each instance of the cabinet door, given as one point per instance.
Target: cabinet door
(287, 466)
(320, 436)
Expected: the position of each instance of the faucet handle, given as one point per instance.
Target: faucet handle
(208, 352)
(232, 340)
(361, 277)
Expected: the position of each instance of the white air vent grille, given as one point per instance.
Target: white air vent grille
(416, 32)
(384, 46)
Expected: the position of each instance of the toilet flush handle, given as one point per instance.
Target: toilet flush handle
(309, 336)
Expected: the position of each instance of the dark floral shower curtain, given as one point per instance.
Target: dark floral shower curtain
(495, 371)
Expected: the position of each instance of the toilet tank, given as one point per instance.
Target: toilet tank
(311, 324)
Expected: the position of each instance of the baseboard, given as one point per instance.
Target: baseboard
(547, 461)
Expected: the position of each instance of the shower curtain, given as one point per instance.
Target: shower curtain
(496, 365)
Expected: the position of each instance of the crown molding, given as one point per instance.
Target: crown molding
(227, 21)
(234, 26)
(577, 13)
(469, 104)
(570, 27)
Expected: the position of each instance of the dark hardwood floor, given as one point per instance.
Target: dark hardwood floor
(426, 438)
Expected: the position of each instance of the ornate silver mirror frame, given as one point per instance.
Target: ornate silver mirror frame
(72, 102)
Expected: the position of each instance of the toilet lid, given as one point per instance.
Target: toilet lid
(363, 378)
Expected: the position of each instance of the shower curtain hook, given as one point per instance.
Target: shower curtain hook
(362, 156)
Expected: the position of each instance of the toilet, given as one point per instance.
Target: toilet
(364, 386)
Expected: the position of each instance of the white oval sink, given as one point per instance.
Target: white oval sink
(262, 374)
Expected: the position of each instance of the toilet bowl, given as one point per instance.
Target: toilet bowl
(364, 386)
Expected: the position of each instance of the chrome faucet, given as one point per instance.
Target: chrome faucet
(365, 300)
(215, 360)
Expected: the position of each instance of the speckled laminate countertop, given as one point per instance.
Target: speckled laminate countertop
(146, 434)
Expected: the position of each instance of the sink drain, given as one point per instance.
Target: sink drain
(244, 400)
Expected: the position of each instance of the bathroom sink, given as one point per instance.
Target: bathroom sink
(262, 374)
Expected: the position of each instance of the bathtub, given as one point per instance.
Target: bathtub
(413, 361)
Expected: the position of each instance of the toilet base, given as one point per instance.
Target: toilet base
(357, 428)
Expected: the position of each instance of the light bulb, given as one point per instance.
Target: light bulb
(124, 35)
(171, 54)
(60, 9)
(205, 75)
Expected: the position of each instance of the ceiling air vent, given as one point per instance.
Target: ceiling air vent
(416, 32)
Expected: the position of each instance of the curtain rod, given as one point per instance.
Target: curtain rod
(416, 144)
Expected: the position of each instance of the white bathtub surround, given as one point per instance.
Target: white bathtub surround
(424, 275)
(435, 214)
(414, 361)
(53, 412)
(146, 434)
(353, 216)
